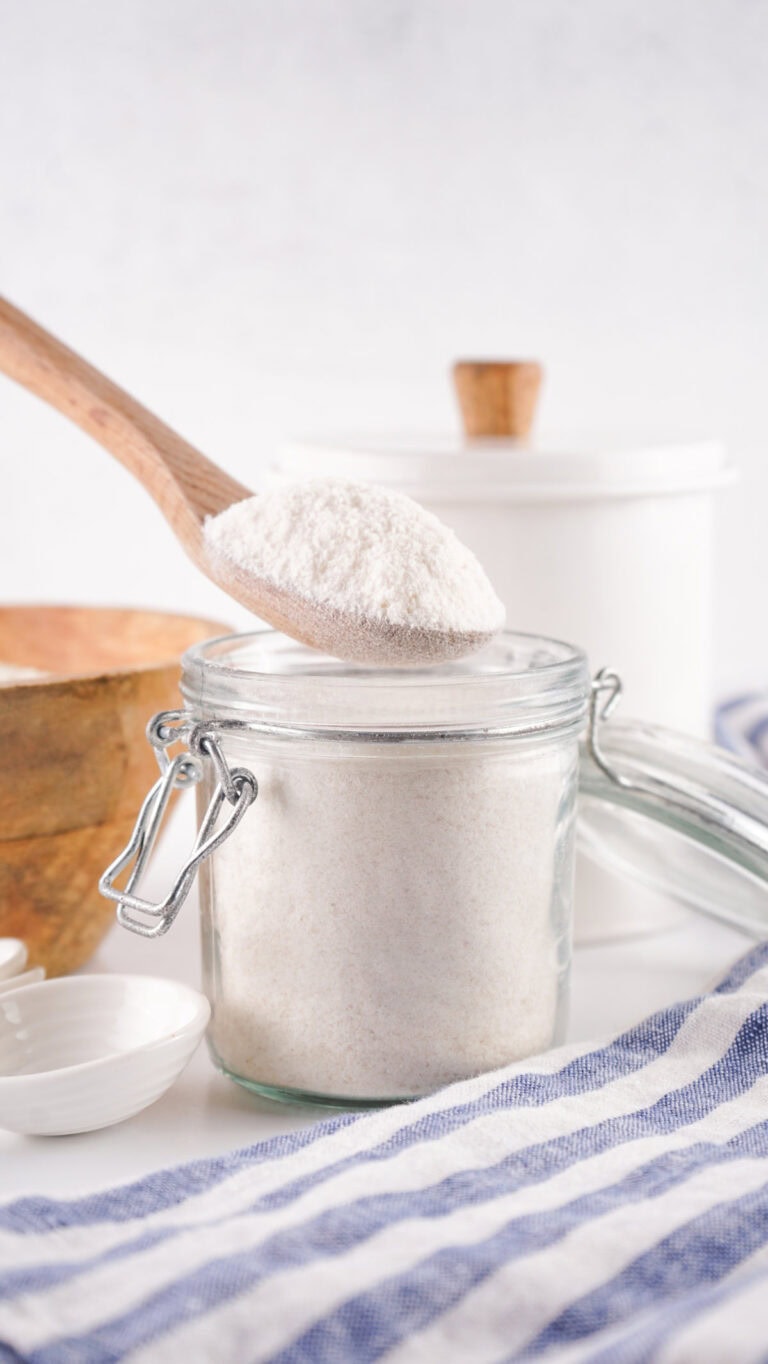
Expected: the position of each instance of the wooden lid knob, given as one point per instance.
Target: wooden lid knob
(497, 397)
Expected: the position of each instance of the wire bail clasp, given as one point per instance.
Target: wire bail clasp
(604, 697)
(236, 785)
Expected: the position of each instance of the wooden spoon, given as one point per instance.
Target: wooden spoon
(188, 487)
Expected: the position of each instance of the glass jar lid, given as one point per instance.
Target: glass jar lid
(678, 815)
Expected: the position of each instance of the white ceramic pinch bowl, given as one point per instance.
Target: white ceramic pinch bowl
(85, 1052)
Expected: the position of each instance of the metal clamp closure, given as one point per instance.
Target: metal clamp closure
(236, 785)
(604, 697)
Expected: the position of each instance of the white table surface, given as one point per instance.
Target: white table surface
(203, 1114)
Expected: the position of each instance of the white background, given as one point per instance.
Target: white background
(278, 217)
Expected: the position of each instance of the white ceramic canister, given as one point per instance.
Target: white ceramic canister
(610, 544)
(605, 541)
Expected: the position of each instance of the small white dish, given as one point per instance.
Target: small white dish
(84, 1052)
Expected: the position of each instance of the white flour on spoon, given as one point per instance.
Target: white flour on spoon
(361, 550)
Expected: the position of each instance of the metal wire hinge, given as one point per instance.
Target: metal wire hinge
(604, 697)
(237, 786)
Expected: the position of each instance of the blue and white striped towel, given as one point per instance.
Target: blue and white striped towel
(741, 724)
(600, 1203)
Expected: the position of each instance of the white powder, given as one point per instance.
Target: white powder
(388, 919)
(361, 550)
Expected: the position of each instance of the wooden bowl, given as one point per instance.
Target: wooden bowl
(75, 763)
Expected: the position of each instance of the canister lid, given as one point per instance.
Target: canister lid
(453, 468)
(679, 815)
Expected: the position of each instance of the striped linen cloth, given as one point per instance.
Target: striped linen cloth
(741, 724)
(602, 1203)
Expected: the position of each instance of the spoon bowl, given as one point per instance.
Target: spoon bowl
(357, 639)
(85, 1052)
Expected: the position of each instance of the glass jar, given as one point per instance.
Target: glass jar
(394, 911)
(386, 905)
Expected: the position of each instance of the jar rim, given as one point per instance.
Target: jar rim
(517, 683)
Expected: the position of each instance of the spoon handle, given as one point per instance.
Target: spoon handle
(186, 486)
